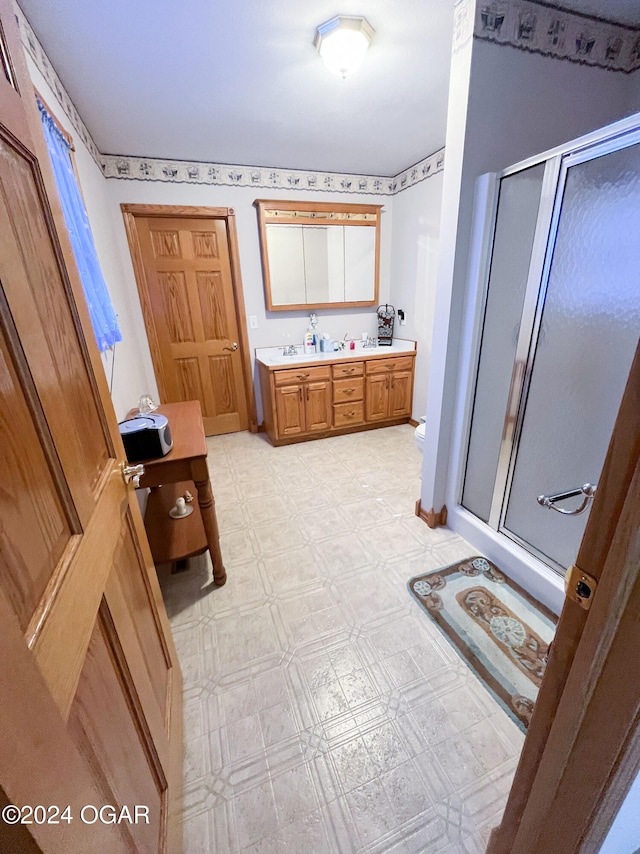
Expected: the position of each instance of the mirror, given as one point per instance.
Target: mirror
(319, 255)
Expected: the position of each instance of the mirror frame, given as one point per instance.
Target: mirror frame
(316, 213)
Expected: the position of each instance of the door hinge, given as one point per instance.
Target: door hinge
(579, 587)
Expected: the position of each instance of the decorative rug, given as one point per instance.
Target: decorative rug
(500, 630)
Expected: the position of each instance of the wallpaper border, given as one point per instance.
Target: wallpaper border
(548, 30)
(216, 174)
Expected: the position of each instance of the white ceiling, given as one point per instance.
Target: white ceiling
(239, 81)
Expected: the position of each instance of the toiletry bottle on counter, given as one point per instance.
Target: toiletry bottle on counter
(309, 346)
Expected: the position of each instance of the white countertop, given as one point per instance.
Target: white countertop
(271, 356)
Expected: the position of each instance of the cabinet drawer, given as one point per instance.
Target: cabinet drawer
(397, 363)
(346, 390)
(292, 376)
(345, 414)
(349, 369)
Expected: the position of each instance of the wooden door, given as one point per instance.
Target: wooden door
(376, 397)
(290, 410)
(400, 394)
(90, 687)
(317, 406)
(582, 749)
(193, 311)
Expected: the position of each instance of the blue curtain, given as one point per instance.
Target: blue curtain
(103, 317)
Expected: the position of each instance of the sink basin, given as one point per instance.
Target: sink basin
(300, 359)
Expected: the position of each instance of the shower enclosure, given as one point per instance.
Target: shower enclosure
(556, 331)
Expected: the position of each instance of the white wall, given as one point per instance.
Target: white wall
(414, 257)
(624, 833)
(132, 371)
(633, 97)
(521, 104)
(439, 418)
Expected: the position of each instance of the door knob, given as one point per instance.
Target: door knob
(132, 473)
(588, 490)
(234, 346)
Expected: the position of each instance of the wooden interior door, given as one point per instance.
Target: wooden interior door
(189, 300)
(582, 749)
(90, 687)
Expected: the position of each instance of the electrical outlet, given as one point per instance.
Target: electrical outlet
(253, 321)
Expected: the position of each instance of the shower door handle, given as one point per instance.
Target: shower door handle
(588, 490)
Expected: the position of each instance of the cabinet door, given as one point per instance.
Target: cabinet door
(289, 410)
(377, 397)
(400, 394)
(318, 406)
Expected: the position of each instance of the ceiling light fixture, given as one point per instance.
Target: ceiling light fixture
(342, 43)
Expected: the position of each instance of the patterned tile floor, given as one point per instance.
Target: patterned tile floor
(323, 710)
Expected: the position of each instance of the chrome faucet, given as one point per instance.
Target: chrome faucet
(290, 350)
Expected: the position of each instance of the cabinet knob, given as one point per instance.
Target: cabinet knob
(302, 376)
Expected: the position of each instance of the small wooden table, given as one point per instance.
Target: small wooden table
(183, 468)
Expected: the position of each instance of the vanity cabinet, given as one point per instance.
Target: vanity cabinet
(311, 401)
(302, 400)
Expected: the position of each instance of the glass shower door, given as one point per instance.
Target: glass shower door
(515, 226)
(584, 337)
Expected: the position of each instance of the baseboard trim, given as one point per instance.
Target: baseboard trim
(413, 422)
(432, 519)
